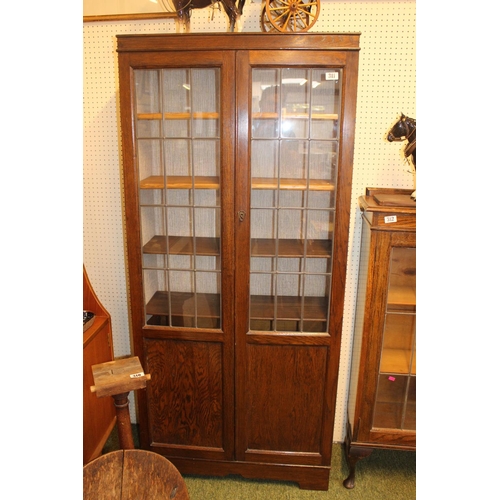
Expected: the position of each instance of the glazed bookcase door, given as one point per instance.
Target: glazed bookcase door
(294, 154)
(382, 401)
(395, 401)
(178, 248)
(178, 145)
(286, 325)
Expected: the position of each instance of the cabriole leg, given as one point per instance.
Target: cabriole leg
(353, 454)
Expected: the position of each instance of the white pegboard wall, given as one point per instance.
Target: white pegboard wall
(386, 87)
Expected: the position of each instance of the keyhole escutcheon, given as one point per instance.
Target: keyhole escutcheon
(241, 215)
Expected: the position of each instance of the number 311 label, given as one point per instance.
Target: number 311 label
(332, 75)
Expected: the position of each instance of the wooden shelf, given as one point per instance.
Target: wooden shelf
(99, 323)
(211, 115)
(295, 116)
(261, 247)
(289, 308)
(398, 361)
(390, 416)
(182, 245)
(180, 182)
(183, 304)
(401, 298)
(261, 307)
(292, 184)
(213, 182)
(395, 404)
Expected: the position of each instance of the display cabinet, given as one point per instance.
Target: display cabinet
(99, 415)
(382, 394)
(237, 156)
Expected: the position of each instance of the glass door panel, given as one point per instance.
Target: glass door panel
(294, 144)
(178, 149)
(395, 405)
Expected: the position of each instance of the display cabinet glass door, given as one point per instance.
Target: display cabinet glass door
(294, 146)
(395, 404)
(178, 154)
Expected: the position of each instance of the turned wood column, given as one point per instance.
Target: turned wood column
(123, 423)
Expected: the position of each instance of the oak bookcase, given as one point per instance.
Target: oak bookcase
(237, 222)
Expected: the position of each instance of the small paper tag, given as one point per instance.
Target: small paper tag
(390, 218)
(137, 375)
(332, 75)
(391, 378)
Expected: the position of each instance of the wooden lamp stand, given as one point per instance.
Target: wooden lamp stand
(117, 378)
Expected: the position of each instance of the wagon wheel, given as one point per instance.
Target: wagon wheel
(292, 15)
(265, 24)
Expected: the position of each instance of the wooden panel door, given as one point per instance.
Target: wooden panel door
(179, 203)
(293, 191)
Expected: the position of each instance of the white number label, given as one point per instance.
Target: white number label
(332, 75)
(390, 218)
(137, 375)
